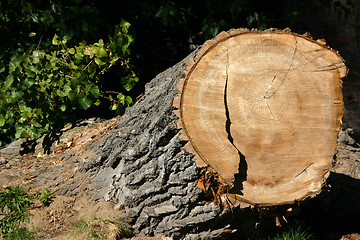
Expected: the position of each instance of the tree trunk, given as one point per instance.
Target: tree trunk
(233, 125)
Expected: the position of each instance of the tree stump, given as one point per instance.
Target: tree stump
(249, 119)
(251, 106)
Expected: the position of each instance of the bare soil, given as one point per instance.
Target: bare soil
(35, 171)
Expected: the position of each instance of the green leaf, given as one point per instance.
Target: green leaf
(92, 70)
(2, 120)
(15, 61)
(60, 93)
(34, 18)
(130, 39)
(128, 101)
(32, 34)
(63, 107)
(113, 107)
(55, 40)
(121, 98)
(15, 96)
(2, 67)
(10, 119)
(124, 24)
(9, 81)
(32, 70)
(89, 51)
(65, 39)
(95, 91)
(71, 51)
(25, 111)
(20, 132)
(78, 56)
(84, 102)
(101, 43)
(97, 103)
(102, 53)
(120, 110)
(35, 124)
(72, 96)
(130, 83)
(99, 62)
(67, 89)
(29, 73)
(29, 82)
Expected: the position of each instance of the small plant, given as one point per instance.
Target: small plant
(101, 229)
(14, 204)
(45, 197)
(294, 233)
(20, 233)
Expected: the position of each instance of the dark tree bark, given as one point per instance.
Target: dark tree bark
(141, 165)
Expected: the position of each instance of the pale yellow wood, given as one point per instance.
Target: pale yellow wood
(281, 92)
(204, 101)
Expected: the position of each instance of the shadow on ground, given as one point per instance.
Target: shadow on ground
(336, 211)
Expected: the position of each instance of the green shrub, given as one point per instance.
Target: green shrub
(14, 204)
(43, 88)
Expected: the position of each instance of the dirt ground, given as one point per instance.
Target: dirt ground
(28, 166)
(35, 171)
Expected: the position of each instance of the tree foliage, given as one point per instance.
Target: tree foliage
(44, 83)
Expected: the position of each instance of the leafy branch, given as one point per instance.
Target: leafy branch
(43, 88)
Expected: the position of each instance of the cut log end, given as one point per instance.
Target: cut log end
(262, 109)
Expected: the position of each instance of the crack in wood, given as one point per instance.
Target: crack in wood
(286, 74)
(267, 90)
(241, 176)
(265, 98)
(325, 69)
(228, 122)
(272, 114)
(303, 170)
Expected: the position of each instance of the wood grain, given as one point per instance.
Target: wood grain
(274, 99)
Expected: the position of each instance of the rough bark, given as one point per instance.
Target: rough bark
(141, 165)
(145, 167)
